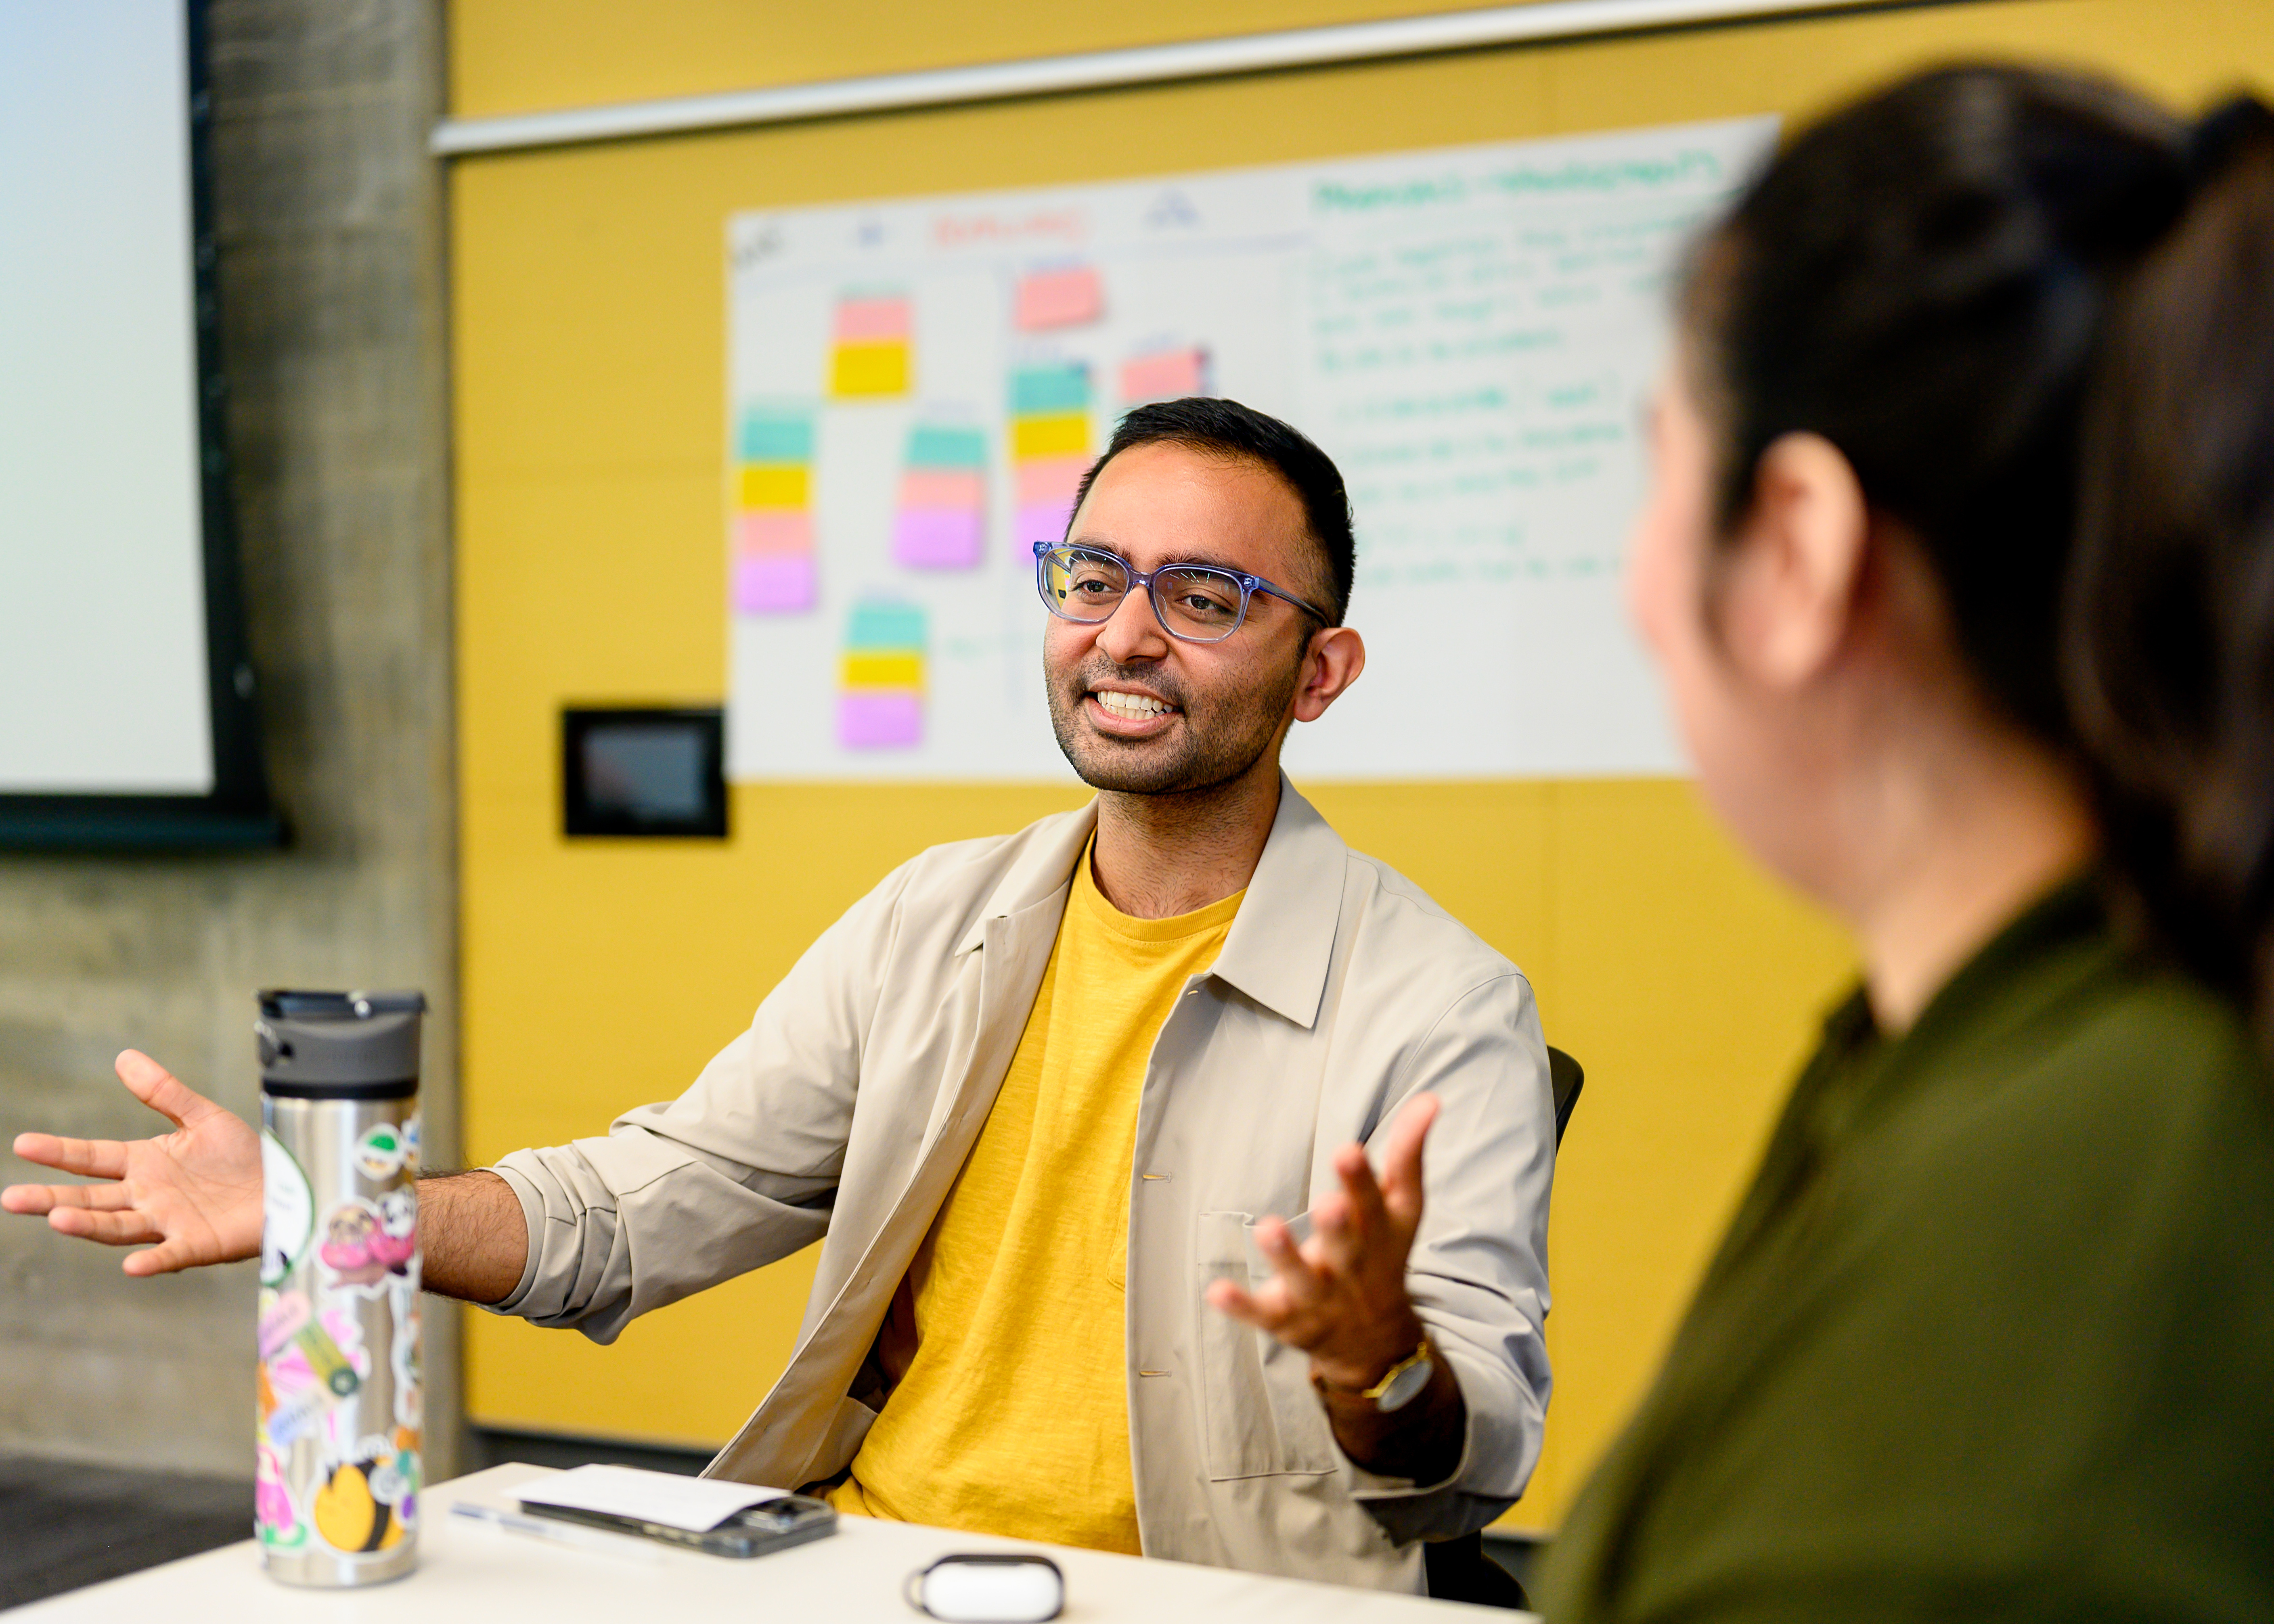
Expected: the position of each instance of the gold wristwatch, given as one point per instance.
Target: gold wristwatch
(1399, 1386)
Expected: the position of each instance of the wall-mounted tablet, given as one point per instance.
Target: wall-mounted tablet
(644, 771)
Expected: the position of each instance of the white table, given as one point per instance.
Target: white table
(479, 1574)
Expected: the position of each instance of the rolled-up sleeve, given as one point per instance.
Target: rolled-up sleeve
(1478, 1274)
(740, 1170)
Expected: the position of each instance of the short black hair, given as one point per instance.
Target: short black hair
(1229, 430)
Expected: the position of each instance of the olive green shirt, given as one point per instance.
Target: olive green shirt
(1990, 1336)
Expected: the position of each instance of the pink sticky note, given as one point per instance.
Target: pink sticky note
(879, 719)
(1060, 298)
(872, 319)
(1050, 479)
(774, 583)
(773, 530)
(937, 538)
(1045, 521)
(1171, 375)
(942, 487)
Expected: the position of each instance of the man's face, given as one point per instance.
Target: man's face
(1138, 711)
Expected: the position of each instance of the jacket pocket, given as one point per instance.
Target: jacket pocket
(1257, 1409)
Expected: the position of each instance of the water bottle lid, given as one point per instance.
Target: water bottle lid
(339, 1045)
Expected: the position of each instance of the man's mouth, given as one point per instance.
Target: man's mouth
(1131, 707)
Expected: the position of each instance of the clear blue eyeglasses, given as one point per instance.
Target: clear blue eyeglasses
(1194, 603)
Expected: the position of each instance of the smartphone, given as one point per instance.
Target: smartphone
(770, 1525)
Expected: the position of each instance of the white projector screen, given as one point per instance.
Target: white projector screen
(106, 625)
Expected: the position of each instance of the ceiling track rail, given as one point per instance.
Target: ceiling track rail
(1146, 65)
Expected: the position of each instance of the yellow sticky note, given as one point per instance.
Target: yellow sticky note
(1060, 434)
(775, 485)
(883, 670)
(876, 368)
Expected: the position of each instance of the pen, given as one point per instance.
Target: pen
(559, 1533)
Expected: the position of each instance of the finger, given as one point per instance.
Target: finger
(159, 1089)
(1290, 1268)
(167, 1258)
(1229, 1300)
(94, 1158)
(1401, 1162)
(1367, 1215)
(1337, 1244)
(126, 1229)
(36, 1198)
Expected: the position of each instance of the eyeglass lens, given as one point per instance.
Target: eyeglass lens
(1195, 601)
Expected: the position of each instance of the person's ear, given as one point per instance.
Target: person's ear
(1791, 584)
(1330, 665)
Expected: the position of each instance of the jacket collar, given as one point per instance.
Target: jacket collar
(1280, 944)
(1279, 947)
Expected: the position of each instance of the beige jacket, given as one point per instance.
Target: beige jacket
(845, 1112)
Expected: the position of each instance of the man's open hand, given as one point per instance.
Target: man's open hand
(192, 1196)
(1340, 1296)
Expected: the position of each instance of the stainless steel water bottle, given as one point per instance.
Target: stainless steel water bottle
(335, 1500)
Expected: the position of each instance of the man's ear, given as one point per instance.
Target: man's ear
(1330, 665)
(1789, 586)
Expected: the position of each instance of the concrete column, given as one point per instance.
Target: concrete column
(331, 275)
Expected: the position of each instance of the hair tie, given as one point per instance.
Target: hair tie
(2222, 134)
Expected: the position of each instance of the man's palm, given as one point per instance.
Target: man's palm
(192, 1196)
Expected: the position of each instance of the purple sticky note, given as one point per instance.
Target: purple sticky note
(1045, 521)
(774, 583)
(935, 537)
(879, 718)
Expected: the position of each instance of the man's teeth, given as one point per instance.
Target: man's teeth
(1136, 706)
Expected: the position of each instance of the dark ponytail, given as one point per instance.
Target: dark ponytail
(1921, 279)
(2169, 647)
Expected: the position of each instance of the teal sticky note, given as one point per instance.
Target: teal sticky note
(932, 445)
(773, 435)
(1060, 386)
(879, 624)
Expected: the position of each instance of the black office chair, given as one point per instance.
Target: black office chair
(1565, 1077)
(1458, 1569)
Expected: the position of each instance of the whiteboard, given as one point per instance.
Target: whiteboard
(1469, 332)
(103, 671)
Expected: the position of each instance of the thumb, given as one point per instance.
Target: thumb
(159, 1089)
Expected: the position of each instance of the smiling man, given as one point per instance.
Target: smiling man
(1039, 1097)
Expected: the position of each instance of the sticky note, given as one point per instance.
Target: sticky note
(935, 446)
(774, 583)
(775, 437)
(881, 624)
(1166, 375)
(1061, 386)
(879, 718)
(937, 538)
(775, 485)
(895, 670)
(773, 530)
(1050, 479)
(1056, 435)
(1045, 521)
(942, 487)
(868, 369)
(1059, 298)
(871, 316)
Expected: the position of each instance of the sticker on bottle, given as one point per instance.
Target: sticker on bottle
(380, 1152)
(365, 1243)
(288, 1216)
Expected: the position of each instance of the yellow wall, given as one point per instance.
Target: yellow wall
(588, 324)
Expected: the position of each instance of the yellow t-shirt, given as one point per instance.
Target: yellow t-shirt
(1011, 1412)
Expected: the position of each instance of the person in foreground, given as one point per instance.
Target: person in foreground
(1037, 1095)
(1990, 1336)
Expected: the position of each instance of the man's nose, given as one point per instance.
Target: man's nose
(1133, 631)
